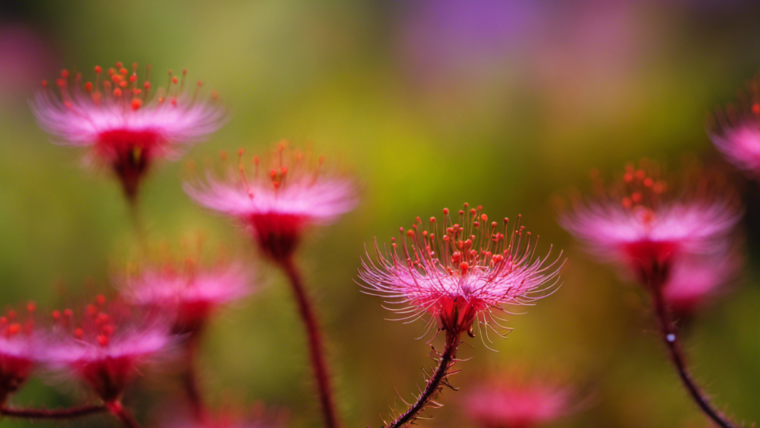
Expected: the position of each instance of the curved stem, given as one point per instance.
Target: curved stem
(445, 361)
(72, 412)
(122, 414)
(190, 379)
(668, 333)
(316, 347)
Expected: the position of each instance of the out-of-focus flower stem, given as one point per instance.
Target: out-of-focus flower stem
(434, 384)
(122, 414)
(316, 347)
(72, 412)
(669, 337)
(190, 378)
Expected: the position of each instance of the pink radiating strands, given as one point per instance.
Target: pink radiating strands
(735, 130)
(19, 349)
(126, 123)
(645, 221)
(278, 200)
(460, 271)
(105, 345)
(696, 281)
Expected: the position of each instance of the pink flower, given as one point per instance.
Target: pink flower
(514, 402)
(127, 124)
(645, 223)
(19, 350)
(279, 203)
(736, 131)
(192, 291)
(460, 272)
(695, 280)
(105, 346)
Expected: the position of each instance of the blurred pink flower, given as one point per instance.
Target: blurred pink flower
(515, 402)
(25, 54)
(191, 291)
(645, 222)
(735, 131)
(460, 272)
(278, 205)
(19, 350)
(105, 346)
(695, 280)
(127, 124)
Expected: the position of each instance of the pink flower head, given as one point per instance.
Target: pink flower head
(459, 272)
(696, 280)
(646, 221)
(19, 348)
(105, 345)
(192, 291)
(735, 131)
(279, 201)
(516, 402)
(126, 123)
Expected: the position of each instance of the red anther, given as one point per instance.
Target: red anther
(494, 224)
(111, 71)
(78, 333)
(133, 77)
(456, 257)
(648, 182)
(108, 329)
(116, 78)
(276, 185)
(463, 267)
(175, 80)
(410, 233)
(256, 160)
(200, 83)
(11, 314)
(627, 203)
(446, 239)
(123, 71)
(472, 211)
(484, 217)
(68, 313)
(13, 329)
(117, 92)
(432, 219)
(123, 83)
(56, 314)
(241, 151)
(445, 211)
(146, 85)
(119, 64)
(65, 73)
(3, 320)
(283, 170)
(466, 205)
(136, 103)
(476, 224)
(31, 307)
(506, 219)
(137, 91)
(640, 174)
(273, 173)
(102, 340)
(756, 108)
(473, 253)
(44, 83)
(92, 310)
(60, 82)
(174, 102)
(88, 86)
(424, 233)
(627, 177)
(98, 69)
(498, 258)
(461, 212)
(636, 197)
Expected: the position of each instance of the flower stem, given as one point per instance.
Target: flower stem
(122, 414)
(190, 379)
(434, 384)
(668, 333)
(316, 347)
(72, 412)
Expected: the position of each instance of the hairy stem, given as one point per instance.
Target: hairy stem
(668, 333)
(73, 412)
(434, 384)
(316, 347)
(190, 379)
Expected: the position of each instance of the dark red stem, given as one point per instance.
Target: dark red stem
(316, 347)
(669, 337)
(434, 384)
(190, 378)
(122, 414)
(73, 412)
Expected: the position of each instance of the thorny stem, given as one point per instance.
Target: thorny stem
(668, 333)
(122, 414)
(316, 347)
(73, 412)
(190, 379)
(434, 384)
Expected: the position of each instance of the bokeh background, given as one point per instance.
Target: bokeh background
(434, 103)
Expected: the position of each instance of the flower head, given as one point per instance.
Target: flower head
(459, 271)
(105, 345)
(19, 348)
(126, 123)
(279, 201)
(695, 280)
(515, 402)
(735, 130)
(190, 290)
(646, 221)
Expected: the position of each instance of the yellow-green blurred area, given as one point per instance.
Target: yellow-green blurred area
(499, 103)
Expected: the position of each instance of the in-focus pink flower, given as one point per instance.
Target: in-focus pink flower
(516, 402)
(460, 271)
(105, 345)
(277, 202)
(19, 349)
(735, 131)
(191, 291)
(127, 123)
(645, 221)
(696, 280)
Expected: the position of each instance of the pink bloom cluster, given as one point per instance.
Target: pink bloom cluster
(646, 222)
(125, 122)
(460, 271)
(19, 350)
(278, 200)
(695, 280)
(735, 130)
